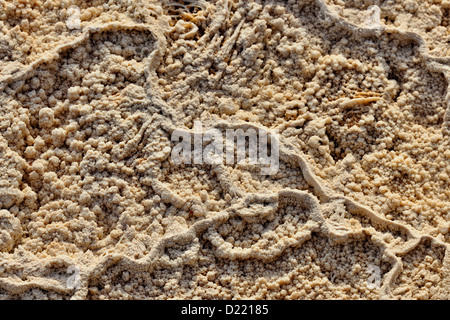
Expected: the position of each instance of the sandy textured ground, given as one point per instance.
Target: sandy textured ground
(93, 207)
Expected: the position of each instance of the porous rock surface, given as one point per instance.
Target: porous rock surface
(357, 90)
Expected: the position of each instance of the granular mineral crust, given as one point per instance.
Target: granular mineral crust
(91, 91)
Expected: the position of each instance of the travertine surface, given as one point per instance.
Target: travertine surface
(90, 92)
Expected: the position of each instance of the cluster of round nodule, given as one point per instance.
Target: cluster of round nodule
(318, 269)
(34, 28)
(430, 19)
(67, 180)
(338, 95)
(88, 171)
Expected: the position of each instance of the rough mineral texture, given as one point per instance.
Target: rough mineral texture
(93, 207)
